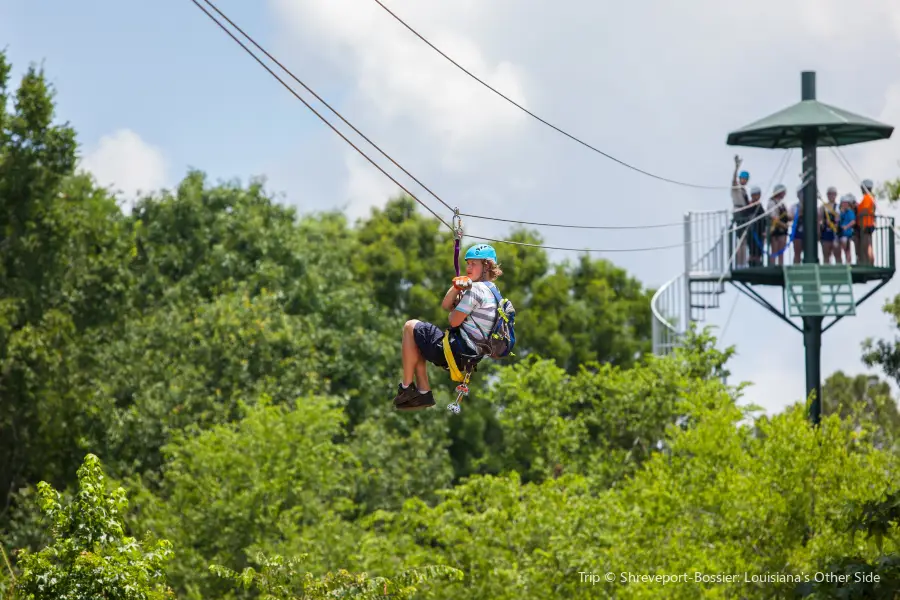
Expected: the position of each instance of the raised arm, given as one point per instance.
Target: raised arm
(451, 299)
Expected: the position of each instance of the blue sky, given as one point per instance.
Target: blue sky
(155, 88)
(164, 71)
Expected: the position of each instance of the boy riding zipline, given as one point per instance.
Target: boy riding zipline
(481, 324)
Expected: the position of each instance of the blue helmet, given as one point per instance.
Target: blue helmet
(482, 252)
(744, 175)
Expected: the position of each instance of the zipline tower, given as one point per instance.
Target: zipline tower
(811, 290)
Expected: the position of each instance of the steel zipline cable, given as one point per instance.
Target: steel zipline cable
(782, 167)
(320, 99)
(413, 196)
(605, 227)
(765, 214)
(290, 89)
(385, 154)
(547, 123)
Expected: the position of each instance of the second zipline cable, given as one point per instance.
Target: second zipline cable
(323, 119)
(547, 123)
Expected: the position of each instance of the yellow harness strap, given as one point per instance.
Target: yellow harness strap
(780, 221)
(830, 218)
(455, 373)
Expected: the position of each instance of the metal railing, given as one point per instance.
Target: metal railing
(669, 315)
(676, 302)
(763, 248)
(710, 255)
(706, 244)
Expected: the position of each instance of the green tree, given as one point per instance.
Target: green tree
(889, 190)
(407, 258)
(91, 556)
(191, 364)
(885, 353)
(720, 497)
(204, 240)
(858, 576)
(282, 580)
(604, 420)
(864, 398)
(275, 481)
(63, 271)
(400, 458)
(589, 312)
(37, 156)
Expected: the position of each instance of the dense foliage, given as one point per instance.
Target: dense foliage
(196, 405)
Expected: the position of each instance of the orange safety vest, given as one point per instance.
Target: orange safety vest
(866, 212)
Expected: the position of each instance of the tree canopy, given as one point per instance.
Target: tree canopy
(196, 404)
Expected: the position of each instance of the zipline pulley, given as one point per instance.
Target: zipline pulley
(458, 234)
(461, 390)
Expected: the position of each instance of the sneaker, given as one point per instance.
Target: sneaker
(405, 395)
(421, 401)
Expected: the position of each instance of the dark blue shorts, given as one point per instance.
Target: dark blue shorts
(430, 342)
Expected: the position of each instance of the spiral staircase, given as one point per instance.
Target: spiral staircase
(687, 298)
(809, 289)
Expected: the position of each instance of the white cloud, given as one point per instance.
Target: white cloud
(827, 19)
(895, 22)
(404, 90)
(366, 187)
(399, 79)
(127, 164)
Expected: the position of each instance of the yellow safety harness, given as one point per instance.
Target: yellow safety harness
(780, 221)
(831, 217)
(455, 373)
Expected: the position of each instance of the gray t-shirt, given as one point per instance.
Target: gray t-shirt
(479, 304)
